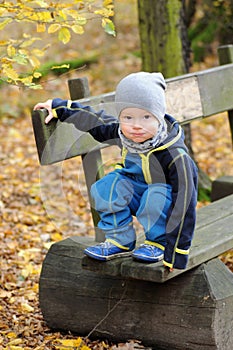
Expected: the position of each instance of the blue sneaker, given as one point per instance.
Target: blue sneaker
(148, 253)
(106, 251)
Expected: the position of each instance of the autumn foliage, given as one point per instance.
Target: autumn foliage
(20, 55)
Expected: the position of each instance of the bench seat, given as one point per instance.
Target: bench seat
(213, 236)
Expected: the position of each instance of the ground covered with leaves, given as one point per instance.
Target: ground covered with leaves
(34, 214)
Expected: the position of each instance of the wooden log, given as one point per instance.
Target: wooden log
(193, 311)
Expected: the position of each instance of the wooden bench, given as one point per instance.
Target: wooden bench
(122, 299)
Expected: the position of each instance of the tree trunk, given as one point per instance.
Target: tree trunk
(165, 47)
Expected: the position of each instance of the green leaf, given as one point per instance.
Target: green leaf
(109, 28)
(64, 35)
(20, 59)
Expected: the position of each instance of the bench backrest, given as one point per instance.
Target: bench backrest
(189, 97)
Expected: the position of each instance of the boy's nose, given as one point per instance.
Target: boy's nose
(137, 124)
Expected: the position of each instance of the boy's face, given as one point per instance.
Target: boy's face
(138, 125)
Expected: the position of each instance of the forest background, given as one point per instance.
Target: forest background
(28, 225)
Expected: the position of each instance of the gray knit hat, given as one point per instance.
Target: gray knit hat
(142, 90)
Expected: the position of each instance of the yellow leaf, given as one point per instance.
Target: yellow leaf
(27, 80)
(85, 347)
(37, 75)
(3, 42)
(43, 16)
(16, 341)
(4, 23)
(26, 307)
(27, 43)
(104, 12)
(38, 52)
(71, 344)
(11, 51)
(61, 66)
(77, 29)
(10, 72)
(81, 21)
(64, 35)
(34, 62)
(40, 28)
(24, 52)
(107, 3)
(56, 236)
(11, 335)
(27, 270)
(47, 245)
(2, 11)
(53, 28)
(42, 3)
(62, 14)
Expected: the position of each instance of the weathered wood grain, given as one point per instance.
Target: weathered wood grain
(193, 311)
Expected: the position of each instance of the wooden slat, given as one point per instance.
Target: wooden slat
(213, 236)
(216, 88)
(59, 141)
(190, 96)
(214, 212)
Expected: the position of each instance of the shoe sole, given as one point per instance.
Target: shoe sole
(147, 259)
(109, 257)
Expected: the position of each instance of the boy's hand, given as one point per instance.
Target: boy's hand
(47, 105)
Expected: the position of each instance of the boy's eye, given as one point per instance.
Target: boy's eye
(147, 116)
(127, 117)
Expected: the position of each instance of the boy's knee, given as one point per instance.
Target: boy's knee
(111, 193)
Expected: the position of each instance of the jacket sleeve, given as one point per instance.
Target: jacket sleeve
(182, 216)
(101, 126)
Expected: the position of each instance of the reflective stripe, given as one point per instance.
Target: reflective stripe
(111, 201)
(169, 143)
(167, 264)
(145, 158)
(54, 113)
(184, 212)
(124, 153)
(146, 168)
(116, 244)
(182, 251)
(69, 103)
(118, 166)
(160, 246)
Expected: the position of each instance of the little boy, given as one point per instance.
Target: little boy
(156, 182)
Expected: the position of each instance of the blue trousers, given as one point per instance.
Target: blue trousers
(117, 198)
